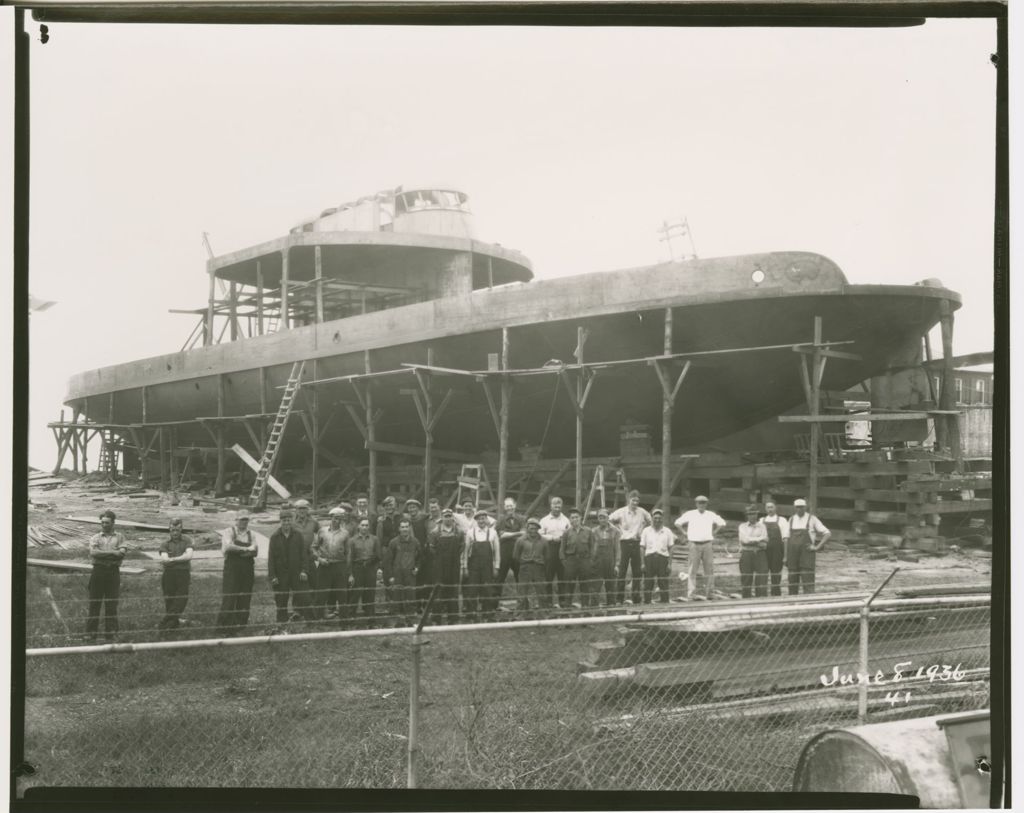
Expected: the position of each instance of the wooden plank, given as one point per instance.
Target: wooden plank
(870, 416)
(960, 646)
(253, 464)
(78, 567)
(123, 522)
(951, 484)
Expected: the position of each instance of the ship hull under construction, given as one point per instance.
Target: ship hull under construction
(757, 305)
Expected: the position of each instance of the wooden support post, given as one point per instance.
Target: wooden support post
(263, 410)
(163, 460)
(73, 440)
(221, 451)
(259, 298)
(318, 262)
(83, 440)
(208, 325)
(283, 321)
(667, 402)
(580, 339)
(429, 416)
(173, 445)
(948, 397)
(503, 415)
(145, 403)
(814, 406)
(371, 434)
(314, 408)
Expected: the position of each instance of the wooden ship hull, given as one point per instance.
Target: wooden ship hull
(758, 305)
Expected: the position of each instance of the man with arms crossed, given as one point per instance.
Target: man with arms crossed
(700, 525)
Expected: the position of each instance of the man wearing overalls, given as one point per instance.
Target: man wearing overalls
(447, 541)
(778, 537)
(482, 558)
(807, 536)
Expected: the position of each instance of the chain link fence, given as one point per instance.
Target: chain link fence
(698, 696)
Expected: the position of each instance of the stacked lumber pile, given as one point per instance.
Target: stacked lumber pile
(55, 533)
(713, 659)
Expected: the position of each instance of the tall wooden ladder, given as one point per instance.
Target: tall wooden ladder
(259, 488)
(108, 452)
(473, 478)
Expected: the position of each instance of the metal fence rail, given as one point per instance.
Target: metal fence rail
(720, 697)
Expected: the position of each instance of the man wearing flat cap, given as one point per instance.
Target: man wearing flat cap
(481, 558)
(330, 552)
(362, 511)
(307, 527)
(239, 548)
(529, 553)
(509, 528)
(425, 570)
(577, 550)
(700, 525)
(387, 524)
(807, 535)
(606, 552)
(447, 541)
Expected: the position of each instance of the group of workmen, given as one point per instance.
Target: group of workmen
(327, 572)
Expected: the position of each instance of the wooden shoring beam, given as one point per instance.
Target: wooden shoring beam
(947, 397)
(219, 437)
(429, 416)
(252, 433)
(371, 418)
(283, 320)
(578, 398)
(163, 459)
(208, 322)
(546, 487)
(677, 478)
(669, 388)
(491, 405)
(503, 417)
(172, 437)
(313, 399)
(318, 265)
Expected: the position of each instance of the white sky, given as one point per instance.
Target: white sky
(872, 147)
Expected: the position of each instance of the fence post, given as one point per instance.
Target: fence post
(412, 778)
(413, 752)
(862, 673)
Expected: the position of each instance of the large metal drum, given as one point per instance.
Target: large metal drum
(944, 760)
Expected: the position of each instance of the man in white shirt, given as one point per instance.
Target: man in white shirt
(807, 535)
(552, 529)
(778, 537)
(656, 542)
(631, 520)
(700, 525)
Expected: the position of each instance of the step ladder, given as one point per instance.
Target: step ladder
(259, 488)
(108, 452)
(598, 485)
(473, 478)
